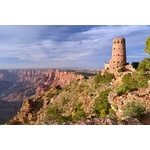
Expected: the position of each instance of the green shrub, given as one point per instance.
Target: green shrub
(64, 101)
(125, 89)
(143, 82)
(147, 45)
(122, 89)
(144, 65)
(141, 78)
(134, 109)
(103, 113)
(127, 78)
(106, 78)
(97, 78)
(111, 111)
(129, 84)
(55, 114)
(112, 114)
(135, 64)
(120, 70)
(96, 86)
(102, 103)
(78, 105)
(80, 114)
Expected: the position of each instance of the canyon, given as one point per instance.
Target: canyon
(45, 97)
(18, 84)
(75, 105)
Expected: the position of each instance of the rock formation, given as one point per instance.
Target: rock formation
(75, 100)
(55, 77)
(31, 82)
(30, 75)
(118, 102)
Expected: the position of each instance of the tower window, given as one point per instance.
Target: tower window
(113, 61)
(121, 41)
(118, 42)
(115, 42)
(114, 48)
(118, 54)
(118, 62)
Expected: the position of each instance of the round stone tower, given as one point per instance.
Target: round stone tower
(118, 58)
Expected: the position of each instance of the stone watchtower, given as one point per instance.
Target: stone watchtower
(118, 59)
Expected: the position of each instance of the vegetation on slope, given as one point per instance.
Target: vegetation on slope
(86, 99)
(147, 45)
(106, 78)
(134, 109)
(137, 80)
(101, 104)
(83, 99)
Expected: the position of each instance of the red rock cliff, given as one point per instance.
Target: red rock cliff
(55, 77)
(30, 75)
(45, 79)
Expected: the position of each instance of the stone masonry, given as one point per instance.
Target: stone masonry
(118, 59)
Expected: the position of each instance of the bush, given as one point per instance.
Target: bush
(147, 45)
(134, 109)
(122, 89)
(125, 89)
(135, 64)
(144, 65)
(97, 78)
(55, 114)
(138, 79)
(80, 114)
(106, 78)
(127, 78)
(141, 77)
(101, 103)
(112, 114)
(119, 70)
(64, 101)
(103, 113)
(129, 84)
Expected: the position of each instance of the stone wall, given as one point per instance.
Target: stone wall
(118, 59)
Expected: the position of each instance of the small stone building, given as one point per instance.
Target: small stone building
(118, 59)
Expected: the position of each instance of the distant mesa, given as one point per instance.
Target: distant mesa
(118, 59)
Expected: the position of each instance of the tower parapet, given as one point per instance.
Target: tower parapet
(118, 59)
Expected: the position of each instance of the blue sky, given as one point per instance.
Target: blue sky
(50, 46)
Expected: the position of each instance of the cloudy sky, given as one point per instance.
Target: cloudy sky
(67, 46)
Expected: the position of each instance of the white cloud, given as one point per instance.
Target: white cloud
(38, 45)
